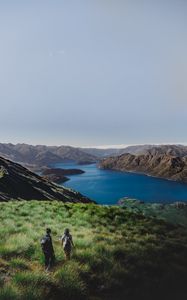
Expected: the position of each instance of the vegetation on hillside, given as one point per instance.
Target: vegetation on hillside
(17, 182)
(175, 213)
(118, 254)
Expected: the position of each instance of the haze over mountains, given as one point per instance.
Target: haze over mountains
(167, 161)
(116, 151)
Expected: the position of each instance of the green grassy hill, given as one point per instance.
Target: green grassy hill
(118, 254)
(175, 213)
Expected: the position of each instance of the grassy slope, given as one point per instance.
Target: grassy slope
(118, 254)
(167, 212)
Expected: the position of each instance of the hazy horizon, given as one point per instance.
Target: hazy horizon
(93, 72)
(117, 146)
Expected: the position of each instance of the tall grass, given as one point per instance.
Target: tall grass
(118, 254)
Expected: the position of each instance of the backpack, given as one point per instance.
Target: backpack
(67, 242)
(44, 244)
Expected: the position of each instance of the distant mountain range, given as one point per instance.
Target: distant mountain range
(136, 149)
(167, 161)
(16, 182)
(100, 153)
(41, 155)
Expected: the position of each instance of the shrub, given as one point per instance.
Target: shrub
(9, 293)
(19, 263)
(30, 279)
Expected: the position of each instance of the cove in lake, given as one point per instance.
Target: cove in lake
(107, 187)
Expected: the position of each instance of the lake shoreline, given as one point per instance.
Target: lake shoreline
(109, 186)
(145, 174)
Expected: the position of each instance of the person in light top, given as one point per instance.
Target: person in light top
(67, 243)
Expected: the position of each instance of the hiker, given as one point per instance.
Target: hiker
(67, 243)
(47, 248)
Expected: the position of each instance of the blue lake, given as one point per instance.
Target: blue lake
(107, 187)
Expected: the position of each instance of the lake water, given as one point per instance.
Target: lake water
(107, 187)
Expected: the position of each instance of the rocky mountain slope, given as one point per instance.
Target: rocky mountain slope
(164, 162)
(41, 155)
(173, 150)
(16, 182)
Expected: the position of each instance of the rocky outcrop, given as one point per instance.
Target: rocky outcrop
(155, 163)
(59, 179)
(58, 171)
(17, 182)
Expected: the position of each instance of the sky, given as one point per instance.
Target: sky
(93, 72)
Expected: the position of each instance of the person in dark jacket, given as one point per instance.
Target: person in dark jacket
(47, 248)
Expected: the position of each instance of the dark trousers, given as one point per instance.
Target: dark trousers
(48, 260)
(67, 254)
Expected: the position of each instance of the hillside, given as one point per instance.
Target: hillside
(16, 182)
(173, 150)
(42, 155)
(118, 254)
(175, 213)
(157, 162)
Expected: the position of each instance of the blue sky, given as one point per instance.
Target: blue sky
(95, 72)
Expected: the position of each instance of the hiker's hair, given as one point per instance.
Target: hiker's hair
(66, 231)
(48, 230)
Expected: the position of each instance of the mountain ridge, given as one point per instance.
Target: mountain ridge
(158, 162)
(17, 182)
(135, 149)
(42, 155)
